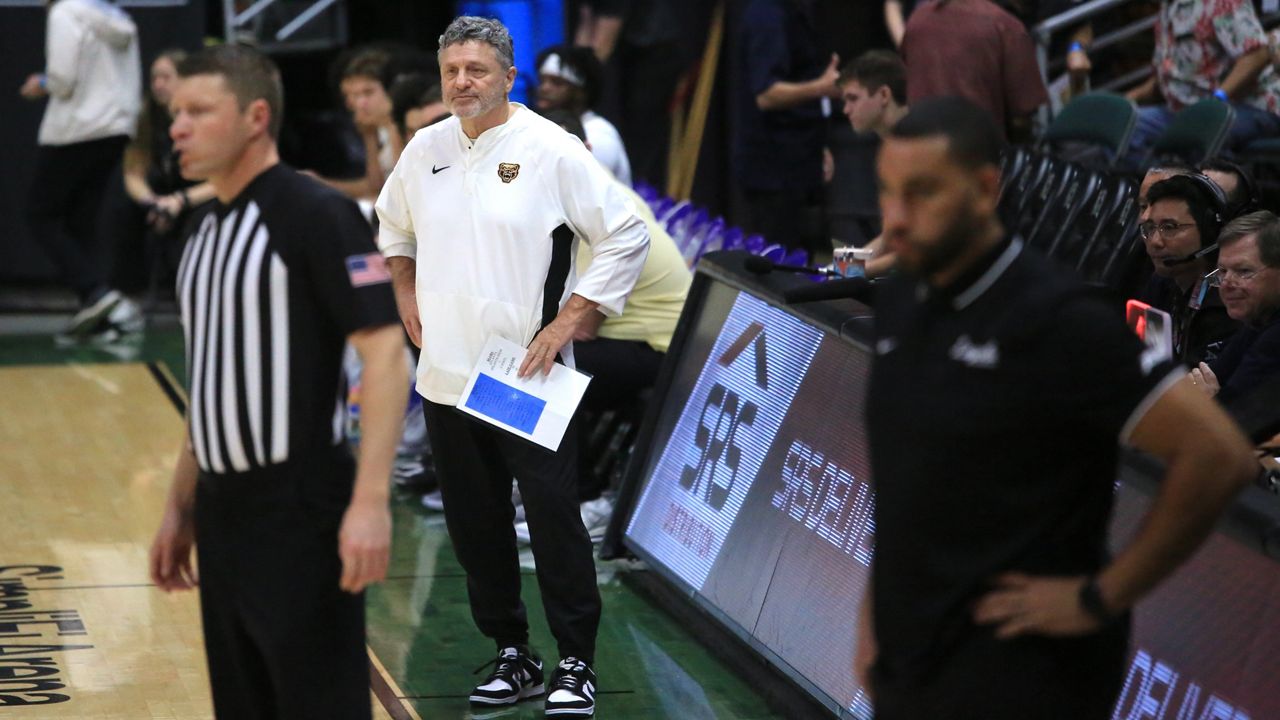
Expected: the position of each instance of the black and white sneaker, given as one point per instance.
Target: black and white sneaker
(92, 313)
(572, 692)
(517, 675)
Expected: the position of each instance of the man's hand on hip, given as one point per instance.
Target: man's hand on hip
(545, 346)
(1028, 605)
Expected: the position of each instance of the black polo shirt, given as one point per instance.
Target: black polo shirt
(995, 413)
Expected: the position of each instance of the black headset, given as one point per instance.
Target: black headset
(1217, 201)
(1252, 193)
(1217, 198)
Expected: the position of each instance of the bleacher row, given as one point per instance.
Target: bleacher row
(1066, 196)
(1085, 219)
(696, 232)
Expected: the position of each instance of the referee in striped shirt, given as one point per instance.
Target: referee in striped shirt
(276, 276)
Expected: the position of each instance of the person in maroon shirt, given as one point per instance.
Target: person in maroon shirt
(978, 51)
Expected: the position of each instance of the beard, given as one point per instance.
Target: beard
(938, 256)
(481, 105)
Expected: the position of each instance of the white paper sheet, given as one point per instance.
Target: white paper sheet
(536, 408)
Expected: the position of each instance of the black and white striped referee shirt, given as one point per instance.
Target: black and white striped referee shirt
(269, 288)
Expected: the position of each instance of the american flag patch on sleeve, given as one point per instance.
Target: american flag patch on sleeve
(369, 269)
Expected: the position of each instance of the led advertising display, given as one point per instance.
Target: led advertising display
(756, 498)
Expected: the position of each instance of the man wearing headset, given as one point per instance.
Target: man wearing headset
(1180, 231)
(1243, 196)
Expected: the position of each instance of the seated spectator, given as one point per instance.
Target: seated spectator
(1205, 49)
(1238, 185)
(874, 90)
(1249, 275)
(152, 178)
(366, 99)
(415, 104)
(624, 353)
(569, 79)
(1151, 177)
(978, 51)
(1180, 233)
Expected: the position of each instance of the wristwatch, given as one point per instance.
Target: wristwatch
(1091, 601)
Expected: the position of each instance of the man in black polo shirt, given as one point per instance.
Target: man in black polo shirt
(999, 395)
(278, 273)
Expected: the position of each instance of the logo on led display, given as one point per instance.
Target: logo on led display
(721, 417)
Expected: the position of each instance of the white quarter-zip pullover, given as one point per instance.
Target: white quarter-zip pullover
(93, 72)
(493, 225)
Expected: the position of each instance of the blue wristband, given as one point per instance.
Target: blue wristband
(1221, 95)
(44, 82)
(1075, 47)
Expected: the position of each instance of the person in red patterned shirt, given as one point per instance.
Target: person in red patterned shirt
(1204, 49)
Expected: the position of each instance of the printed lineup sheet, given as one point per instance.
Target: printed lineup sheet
(536, 408)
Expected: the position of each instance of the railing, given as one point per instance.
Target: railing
(248, 24)
(1044, 32)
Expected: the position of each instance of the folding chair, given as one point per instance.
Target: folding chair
(1100, 119)
(1196, 133)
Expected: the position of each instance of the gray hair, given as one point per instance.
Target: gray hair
(1265, 226)
(468, 28)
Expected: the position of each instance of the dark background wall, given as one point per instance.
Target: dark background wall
(184, 24)
(22, 29)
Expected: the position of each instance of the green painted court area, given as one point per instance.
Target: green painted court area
(419, 622)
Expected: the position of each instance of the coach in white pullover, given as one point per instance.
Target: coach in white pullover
(479, 220)
(93, 79)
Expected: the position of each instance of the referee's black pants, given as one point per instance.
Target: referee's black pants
(475, 463)
(282, 639)
(63, 202)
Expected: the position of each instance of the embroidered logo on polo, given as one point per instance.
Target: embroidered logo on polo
(508, 171)
(985, 355)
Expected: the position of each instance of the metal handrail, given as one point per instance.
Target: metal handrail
(235, 22)
(1115, 37)
(1074, 16)
(303, 18)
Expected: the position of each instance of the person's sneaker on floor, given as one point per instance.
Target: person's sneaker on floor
(522, 532)
(572, 691)
(411, 475)
(127, 317)
(517, 674)
(596, 515)
(517, 502)
(433, 501)
(93, 312)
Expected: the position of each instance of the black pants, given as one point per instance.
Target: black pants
(475, 463)
(1076, 678)
(620, 370)
(62, 208)
(282, 639)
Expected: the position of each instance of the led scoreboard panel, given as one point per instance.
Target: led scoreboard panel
(755, 498)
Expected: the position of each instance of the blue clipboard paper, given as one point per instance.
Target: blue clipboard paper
(506, 404)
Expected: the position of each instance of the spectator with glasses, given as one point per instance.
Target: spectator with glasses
(1179, 230)
(1248, 276)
